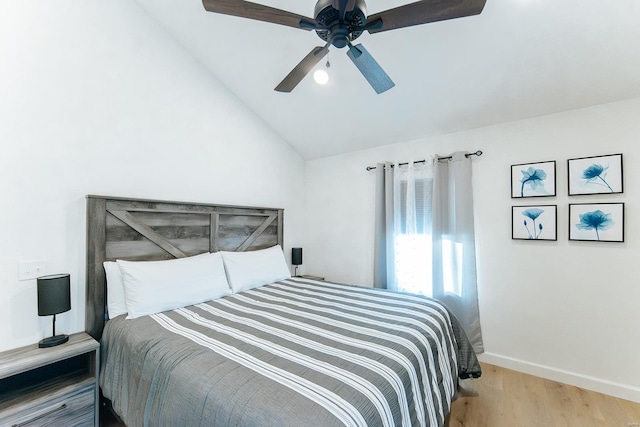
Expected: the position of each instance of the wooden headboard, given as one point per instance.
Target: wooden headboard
(145, 230)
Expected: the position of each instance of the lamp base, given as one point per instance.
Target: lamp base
(53, 341)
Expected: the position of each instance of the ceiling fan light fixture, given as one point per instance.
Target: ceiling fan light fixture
(321, 77)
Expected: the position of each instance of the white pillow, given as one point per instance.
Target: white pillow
(116, 302)
(248, 270)
(154, 286)
(115, 290)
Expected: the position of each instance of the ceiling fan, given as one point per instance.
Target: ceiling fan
(339, 22)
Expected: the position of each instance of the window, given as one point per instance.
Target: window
(413, 244)
(413, 263)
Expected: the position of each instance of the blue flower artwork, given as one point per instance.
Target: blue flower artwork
(533, 214)
(595, 175)
(596, 220)
(594, 172)
(533, 179)
(534, 222)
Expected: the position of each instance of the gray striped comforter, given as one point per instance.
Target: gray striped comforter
(294, 353)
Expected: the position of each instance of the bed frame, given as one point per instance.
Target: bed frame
(145, 230)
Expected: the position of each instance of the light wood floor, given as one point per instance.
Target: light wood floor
(508, 398)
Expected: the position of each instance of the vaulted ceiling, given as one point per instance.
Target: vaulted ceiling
(518, 59)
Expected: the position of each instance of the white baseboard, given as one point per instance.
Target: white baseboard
(622, 391)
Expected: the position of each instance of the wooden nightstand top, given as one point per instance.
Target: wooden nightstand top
(31, 356)
(311, 277)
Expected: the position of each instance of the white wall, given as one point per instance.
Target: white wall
(563, 310)
(95, 98)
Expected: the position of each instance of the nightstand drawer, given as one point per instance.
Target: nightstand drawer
(73, 407)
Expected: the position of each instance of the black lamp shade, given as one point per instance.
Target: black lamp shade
(296, 256)
(54, 295)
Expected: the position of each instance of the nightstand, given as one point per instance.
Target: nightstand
(310, 277)
(51, 386)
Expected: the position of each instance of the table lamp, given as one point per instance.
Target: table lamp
(296, 258)
(54, 297)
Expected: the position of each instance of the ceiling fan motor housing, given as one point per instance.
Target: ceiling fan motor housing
(340, 33)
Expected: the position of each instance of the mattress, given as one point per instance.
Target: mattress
(292, 353)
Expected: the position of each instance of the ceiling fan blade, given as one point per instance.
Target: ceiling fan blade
(423, 12)
(302, 69)
(370, 69)
(259, 12)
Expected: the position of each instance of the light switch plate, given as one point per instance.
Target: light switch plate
(30, 270)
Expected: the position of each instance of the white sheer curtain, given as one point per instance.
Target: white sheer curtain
(412, 227)
(424, 239)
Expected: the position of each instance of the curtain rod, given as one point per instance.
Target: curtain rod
(477, 153)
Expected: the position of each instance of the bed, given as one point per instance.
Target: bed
(288, 353)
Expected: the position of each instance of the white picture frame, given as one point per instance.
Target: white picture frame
(535, 222)
(533, 180)
(595, 175)
(597, 222)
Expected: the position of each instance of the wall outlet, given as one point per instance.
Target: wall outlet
(30, 270)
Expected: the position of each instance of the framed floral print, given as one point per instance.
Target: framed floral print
(533, 180)
(534, 222)
(595, 175)
(600, 222)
